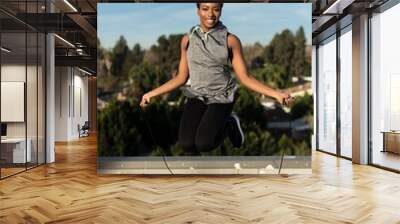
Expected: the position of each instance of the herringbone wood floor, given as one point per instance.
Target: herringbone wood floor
(69, 191)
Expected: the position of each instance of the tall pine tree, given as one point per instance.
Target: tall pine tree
(119, 54)
(280, 52)
(134, 57)
(299, 58)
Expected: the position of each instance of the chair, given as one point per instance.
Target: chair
(84, 130)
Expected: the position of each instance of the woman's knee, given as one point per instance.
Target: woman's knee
(204, 145)
(186, 144)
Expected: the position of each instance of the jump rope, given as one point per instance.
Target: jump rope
(163, 152)
(154, 140)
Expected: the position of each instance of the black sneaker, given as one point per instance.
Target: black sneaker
(235, 132)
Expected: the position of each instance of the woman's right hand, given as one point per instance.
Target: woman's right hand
(284, 99)
(145, 100)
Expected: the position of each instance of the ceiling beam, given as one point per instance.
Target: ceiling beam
(86, 26)
(82, 61)
(337, 7)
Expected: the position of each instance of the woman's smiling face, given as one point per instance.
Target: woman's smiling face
(209, 14)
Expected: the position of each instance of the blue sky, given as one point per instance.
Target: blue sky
(143, 23)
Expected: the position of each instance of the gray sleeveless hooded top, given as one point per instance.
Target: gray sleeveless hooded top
(210, 79)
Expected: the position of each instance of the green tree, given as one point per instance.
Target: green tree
(253, 55)
(119, 134)
(100, 50)
(166, 53)
(248, 107)
(286, 144)
(134, 57)
(302, 106)
(119, 54)
(127, 130)
(280, 52)
(273, 75)
(299, 57)
(143, 77)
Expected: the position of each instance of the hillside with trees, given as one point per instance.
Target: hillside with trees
(126, 73)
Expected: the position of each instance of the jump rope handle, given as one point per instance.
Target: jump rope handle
(285, 100)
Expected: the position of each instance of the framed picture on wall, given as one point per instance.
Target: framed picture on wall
(209, 123)
(12, 101)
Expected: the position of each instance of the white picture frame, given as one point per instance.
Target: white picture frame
(12, 101)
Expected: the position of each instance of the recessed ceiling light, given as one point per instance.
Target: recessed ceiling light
(70, 5)
(64, 40)
(337, 7)
(5, 49)
(86, 72)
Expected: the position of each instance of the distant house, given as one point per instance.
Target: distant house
(295, 91)
(297, 128)
(121, 97)
(101, 104)
(299, 90)
(278, 116)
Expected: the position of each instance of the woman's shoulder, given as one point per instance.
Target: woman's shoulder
(233, 40)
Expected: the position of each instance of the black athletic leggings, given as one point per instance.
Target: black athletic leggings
(203, 126)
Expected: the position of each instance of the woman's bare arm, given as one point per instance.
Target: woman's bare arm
(245, 78)
(175, 82)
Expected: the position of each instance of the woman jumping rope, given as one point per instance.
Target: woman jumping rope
(206, 52)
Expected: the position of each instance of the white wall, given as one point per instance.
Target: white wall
(13, 72)
(81, 104)
(61, 103)
(71, 93)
